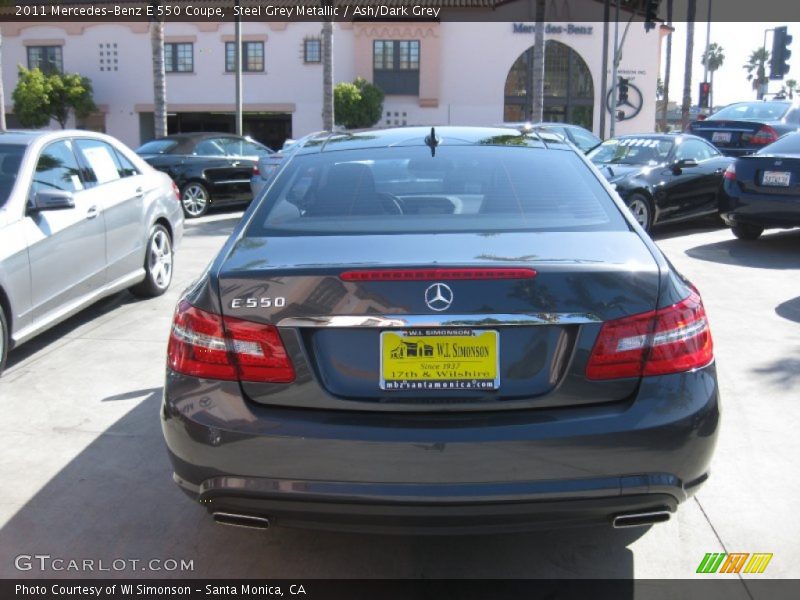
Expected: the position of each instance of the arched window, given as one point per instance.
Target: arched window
(568, 87)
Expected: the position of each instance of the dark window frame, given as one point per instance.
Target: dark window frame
(308, 54)
(230, 57)
(57, 60)
(172, 61)
(396, 66)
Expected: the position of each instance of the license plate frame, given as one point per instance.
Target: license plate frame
(776, 178)
(441, 367)
(721, 137)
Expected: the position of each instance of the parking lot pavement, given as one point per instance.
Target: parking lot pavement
(87, 476)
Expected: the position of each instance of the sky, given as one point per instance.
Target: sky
(738, 40)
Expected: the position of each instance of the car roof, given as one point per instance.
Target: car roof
(416, 136)
(195, 135)
(23, 136)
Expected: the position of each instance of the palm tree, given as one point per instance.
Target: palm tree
(687, 73)
(537, 104)
(2, 90)
(159, 78)
(327, 69)
(668, 66)
(756, 71)
(327, 74)
(712, 60)
(791, 87)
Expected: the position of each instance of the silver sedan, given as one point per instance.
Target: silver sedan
(81, 217)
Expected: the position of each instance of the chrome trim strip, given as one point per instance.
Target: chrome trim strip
(229, 181)
(440, 320)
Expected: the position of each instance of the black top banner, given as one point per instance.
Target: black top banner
(393, 10)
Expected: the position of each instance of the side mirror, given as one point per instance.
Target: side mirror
(684, 163)
(52, 200)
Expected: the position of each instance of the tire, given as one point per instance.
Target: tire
(4, 339)
(195, 199)
(743, 231)
(642, 210)
(158, 262)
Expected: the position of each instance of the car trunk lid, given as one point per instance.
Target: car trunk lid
(340, 333)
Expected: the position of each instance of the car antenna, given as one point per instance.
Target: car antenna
(432, 141)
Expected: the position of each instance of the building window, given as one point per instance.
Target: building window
(395, 65)
(179, 58)
(48, 59)
(312, 50)
(252, 56)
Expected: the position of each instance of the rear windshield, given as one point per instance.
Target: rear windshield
(752, 111)
(157, 147)
(788, 144)
(460, 189)
(10, 159)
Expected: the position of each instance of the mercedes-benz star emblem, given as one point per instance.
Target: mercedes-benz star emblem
(439, 296)
(631, 107)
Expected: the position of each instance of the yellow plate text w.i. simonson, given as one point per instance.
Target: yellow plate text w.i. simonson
(439, 359)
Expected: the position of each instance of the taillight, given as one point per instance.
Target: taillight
(436, 274)
(765, 135)
(176, 191)
(256, 170)
(203, 344)
(730, 173)
(669, 340)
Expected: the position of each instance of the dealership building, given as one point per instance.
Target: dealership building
(470, 72)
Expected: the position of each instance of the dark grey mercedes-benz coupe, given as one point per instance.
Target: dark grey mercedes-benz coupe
(440, 330)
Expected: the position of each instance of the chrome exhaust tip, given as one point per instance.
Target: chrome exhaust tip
(640, 519)
(239, 520)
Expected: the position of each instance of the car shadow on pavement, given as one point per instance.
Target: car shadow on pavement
(116, 501)
(91, 318)
(779, 250)
(783, 372)
(789, 310)
(673, 230)
(205, 227)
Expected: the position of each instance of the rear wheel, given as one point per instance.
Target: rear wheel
(157, 264)
(743, 231)
(642, 211)
(195, 199)
(4, 336)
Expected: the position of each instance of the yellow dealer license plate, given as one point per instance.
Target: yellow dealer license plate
(439, 359)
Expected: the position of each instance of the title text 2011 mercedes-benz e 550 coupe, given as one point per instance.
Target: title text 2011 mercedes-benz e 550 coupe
(452, 330)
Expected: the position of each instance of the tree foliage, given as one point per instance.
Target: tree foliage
(713, 58)
(358, 104)
(40, 97)
(756, 70)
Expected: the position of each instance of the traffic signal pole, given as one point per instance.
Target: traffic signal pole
(614, 65)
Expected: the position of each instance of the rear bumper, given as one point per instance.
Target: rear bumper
(761, 210)
(446, 472)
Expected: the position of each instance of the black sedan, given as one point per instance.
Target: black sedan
(663, 177)
(208, 168)
(746, 127)
(763, 190)
(458, 329)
